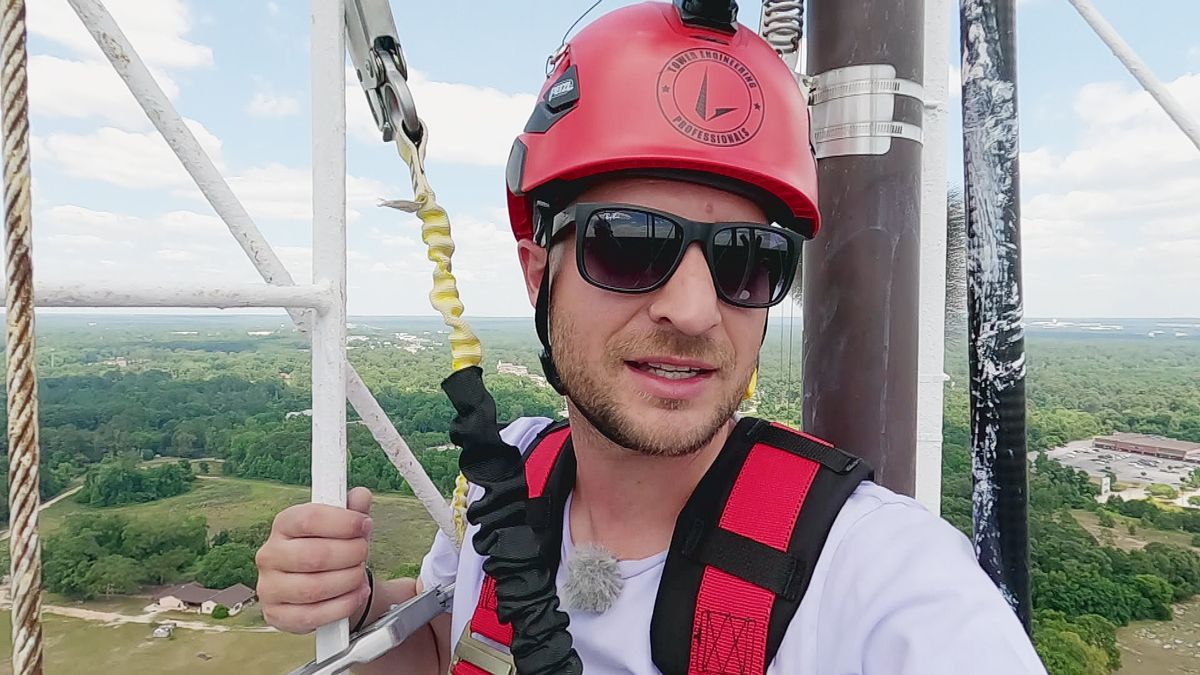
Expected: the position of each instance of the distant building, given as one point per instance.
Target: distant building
(192, 597)
(503, 368)
(234, 598)
(1155, 446)
(512, 369)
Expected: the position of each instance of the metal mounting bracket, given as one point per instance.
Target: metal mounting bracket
(854, 111)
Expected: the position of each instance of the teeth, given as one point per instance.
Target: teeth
(673, 374)
(671, 368)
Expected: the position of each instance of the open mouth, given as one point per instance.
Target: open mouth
(669, 371)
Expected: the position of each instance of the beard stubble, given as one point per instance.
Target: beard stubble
(596, 401)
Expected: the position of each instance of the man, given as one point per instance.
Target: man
(660, 191)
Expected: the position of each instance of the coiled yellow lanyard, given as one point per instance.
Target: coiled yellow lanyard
(465, 348)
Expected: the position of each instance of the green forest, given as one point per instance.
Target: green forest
(139, 409)
(1082, 589)
(97, 554)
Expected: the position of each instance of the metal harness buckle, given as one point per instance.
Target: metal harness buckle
(482, 655)
(374, 48)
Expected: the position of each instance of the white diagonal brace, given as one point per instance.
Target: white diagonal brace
(1187, 122)
(216, 190)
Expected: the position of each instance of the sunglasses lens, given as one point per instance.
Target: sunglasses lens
(629, 250)
(751, 265)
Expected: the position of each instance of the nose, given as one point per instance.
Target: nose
(688, 301)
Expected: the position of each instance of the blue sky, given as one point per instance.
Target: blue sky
(1110, 189)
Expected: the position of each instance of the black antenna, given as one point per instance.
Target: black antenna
(715, 14)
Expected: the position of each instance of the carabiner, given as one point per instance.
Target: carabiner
(374, 48)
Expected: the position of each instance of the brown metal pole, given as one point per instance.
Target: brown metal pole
(23, 498)
(861, 273)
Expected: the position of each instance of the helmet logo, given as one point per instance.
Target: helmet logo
(710, 97)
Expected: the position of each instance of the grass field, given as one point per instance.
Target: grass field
(1160, 647)
(1152, 647)
(1120, 534)
(401, 537)
(76, 647)
(402, 532)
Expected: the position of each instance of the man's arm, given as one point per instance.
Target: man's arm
(426, 652)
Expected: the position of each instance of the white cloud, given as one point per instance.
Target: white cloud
(485, 265)
(70, 219)
(273, 8)
(78, 244)
(272, 106)
(1110, 227)
(175, 255)
(124, 158)
(451, 111)
(156, 30)
(298, 260)
(85, 89)
(144, 161)
(390, 239)
(1125, 140)
(75, 240)
(285, 192)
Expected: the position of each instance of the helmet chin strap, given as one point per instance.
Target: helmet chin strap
(541, 320)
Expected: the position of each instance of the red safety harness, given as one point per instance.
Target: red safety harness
(741, 556)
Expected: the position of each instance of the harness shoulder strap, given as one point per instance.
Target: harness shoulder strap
(540, 460)
(744, 549)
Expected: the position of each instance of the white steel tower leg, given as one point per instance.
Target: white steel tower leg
(931, 352)
(329, 268)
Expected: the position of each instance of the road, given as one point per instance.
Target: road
(52, 502)
(151, 616)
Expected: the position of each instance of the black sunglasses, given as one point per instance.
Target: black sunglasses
(634, 249)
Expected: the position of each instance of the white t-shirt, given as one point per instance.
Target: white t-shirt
(896, 591)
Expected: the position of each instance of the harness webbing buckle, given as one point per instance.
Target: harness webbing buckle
(482, 655)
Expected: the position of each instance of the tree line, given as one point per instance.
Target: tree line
(119, 481)
(99, 554)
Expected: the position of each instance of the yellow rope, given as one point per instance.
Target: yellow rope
(458, 506)
(465, 350)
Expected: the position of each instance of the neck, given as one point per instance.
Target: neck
(628, 502)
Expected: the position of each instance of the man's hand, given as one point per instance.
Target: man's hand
(312, 570)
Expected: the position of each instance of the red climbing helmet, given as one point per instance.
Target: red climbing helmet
(641, 91)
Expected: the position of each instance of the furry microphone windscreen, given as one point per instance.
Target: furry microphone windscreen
(593, 581)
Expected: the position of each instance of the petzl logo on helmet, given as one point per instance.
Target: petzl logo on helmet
(710, 97)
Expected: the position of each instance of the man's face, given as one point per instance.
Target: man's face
(658, 373)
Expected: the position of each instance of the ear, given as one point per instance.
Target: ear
(533, 265)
